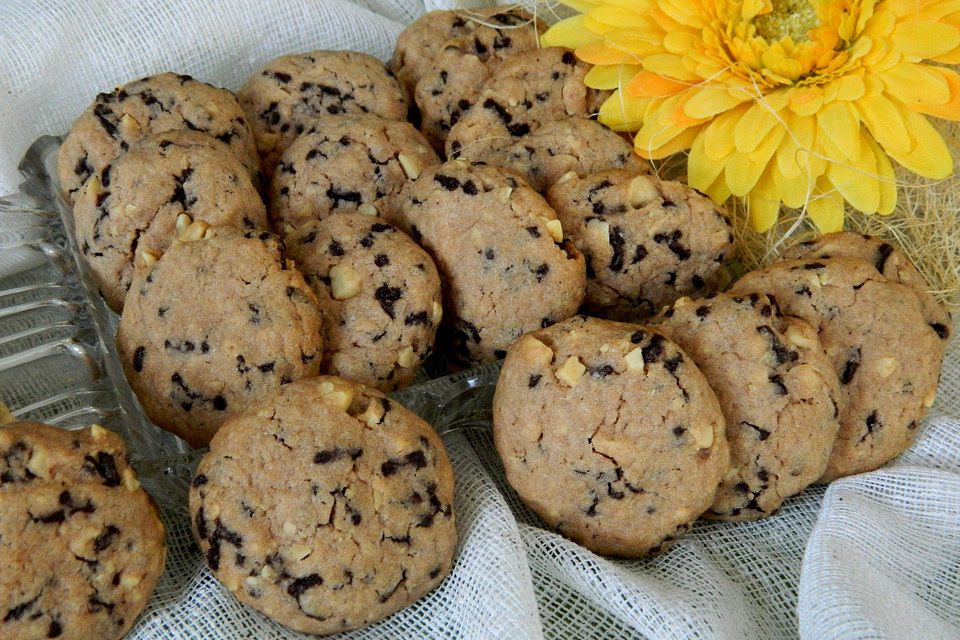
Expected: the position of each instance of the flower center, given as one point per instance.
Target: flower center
(794, 18)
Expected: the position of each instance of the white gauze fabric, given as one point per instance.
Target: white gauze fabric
(873, 556)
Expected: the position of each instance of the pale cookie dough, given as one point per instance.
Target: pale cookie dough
(295, 92)
(128, 213)
(610, 433)
(886, 355)
(346, 163)
(647, 242)
(546, 152)
(150, 105)
(451, 83)
(500, 251)
(379, 294)
(326, 506)
(890, 261)
(217, 322)
(777, 390)
(82, 545)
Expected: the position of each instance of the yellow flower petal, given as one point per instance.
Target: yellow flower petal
(718, 191)
(718, 136)
(763, 213)
(806, 101)
(611, 76)
(886, 179)
(856, 182)
(885, 121)
(753, 127)
(647, 84)
(921, 39)
(916, 84)
(709, 101)
(669, 65)
(950, 109)
(793, 190)
(742, 173)
(621, 113)
(826, 211)
(599, 52)
(840, 122)
(581, 5)
(701, 169)
(928, 155)
(568, 33)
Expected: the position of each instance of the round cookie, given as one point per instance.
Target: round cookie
(451, 83)
(499, 248)
(493, 32)
(777, 390)
(219, 320)
(346, 163)
(127, 214)
(379, 294)
(326, 507)
(150, 105)
(609, 433)
(294, 92)
(888, 260)
(885, 354)
(82, 545)
(546, 152)
(647, 242)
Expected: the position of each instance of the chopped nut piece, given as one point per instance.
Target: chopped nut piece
(537, 350)
(338, 395)
(92, 186)
(98, 432)
(571, 371)
(149, 257)
(555, 229)
(437, 312)
(268, 573)
(731, 474)
(130, 482)
(503, 194)
(212, 510)
(800, 337)
(183, 221)
(129, 126)
(198, 230)
(344, 282)
(702, 435)
(406, 357)
(598, 230)
(930, 398)
(130, 209)
(372, 415)
(643, 190)
(567, 177)
(634, 359)
(886, 366)
(367, 209)
(410, 164)
(299, 551)
(289, 528)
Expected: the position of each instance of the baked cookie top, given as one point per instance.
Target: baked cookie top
(888, 260)
(610, 433)
(126, 215)
(379, 294)
(885, 354)
(294, 92)
(546, 151)
(778, 392)
(219, 320)
(326, 506)
(346, 163)
(647, 242)
(499, 248)
(153, 104)
(82, 543)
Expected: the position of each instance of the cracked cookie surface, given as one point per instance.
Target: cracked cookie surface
(503, 263)
(153, 104)
(647, 242)
(379, 294)
(610, 433)
(887, 259)
(326, 507)
(132, 207)
(778, 392)
(294, 92)
(883, 351)
(81, 542)
(347, 163)
(213, 325)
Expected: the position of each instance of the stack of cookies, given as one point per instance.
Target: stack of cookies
(463, 199)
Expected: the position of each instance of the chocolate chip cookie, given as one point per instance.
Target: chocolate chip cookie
(218, 321)
(449, 85)
(81, 543)
(646, 241)
(127, 214)
(884, 352)
(150, 105)
(610, 433)
(492, 32)
(778, 392)
(294, 92)
(346, 163)
(499, 247)
(326, 507)
(379, 294)
(890, 261)
(546, 151)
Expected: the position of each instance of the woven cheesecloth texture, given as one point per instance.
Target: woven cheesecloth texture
(872, 556)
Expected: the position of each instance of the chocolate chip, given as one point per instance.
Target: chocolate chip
(418, 318)
(534, 380)
(654, 350)
(702, 311)
(138, 356)
(220, 403)
(499, 354)
(387, 296)
(335, 248)
(942, 330)
(779, 388)
(617, 243)
(883, 252)
(106, 538)
(470, 188)
(105, 466)
(55, 629)
(447, 182)
(850, 369)
(300, 585)
(199, 481)
(639, 254)
(346, 195)
(541, 271)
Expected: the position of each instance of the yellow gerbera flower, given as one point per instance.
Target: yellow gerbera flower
(792, 101)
